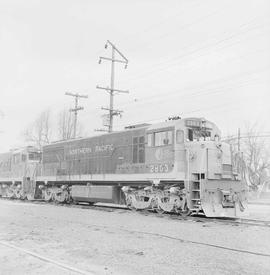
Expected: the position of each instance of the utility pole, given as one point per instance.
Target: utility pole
(240, 156)
(76, 108)
(111, 90)
(238, 139)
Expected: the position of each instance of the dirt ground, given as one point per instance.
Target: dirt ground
(259, 211)
(48, 239)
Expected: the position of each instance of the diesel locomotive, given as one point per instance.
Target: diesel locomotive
(179, 166)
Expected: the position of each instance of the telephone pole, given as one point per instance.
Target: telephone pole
(76, 108)
(238, 140)
(111, 90)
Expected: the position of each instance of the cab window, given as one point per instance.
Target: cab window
(163, 138)
(34, 156)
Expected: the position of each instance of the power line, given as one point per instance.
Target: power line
(111, 90)
(243, 28)
(229, 83)
(76, 108)
(179, 28)
(186, 25)
(247, 136)
(173, 74)
(162, 21)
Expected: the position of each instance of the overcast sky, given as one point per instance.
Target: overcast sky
(205, 58)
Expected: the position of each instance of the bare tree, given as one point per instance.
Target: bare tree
(256, 158)
(65, 124)
(39, 132)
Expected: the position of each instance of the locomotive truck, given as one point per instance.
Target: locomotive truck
(179, 166)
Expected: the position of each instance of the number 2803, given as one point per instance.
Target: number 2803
(159, 168)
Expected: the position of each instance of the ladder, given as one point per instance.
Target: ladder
(195, 193)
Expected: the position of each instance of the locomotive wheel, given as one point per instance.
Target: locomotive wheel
(18, 194)
(30, 197)
(156, 207)
(132, 208)
(47, 195)
(165, 204)
(129, 202)
(138, 202)
(159, 210)
(23, 196)
(10, 193)
(166, 207)
(185, 212)
(61, 197)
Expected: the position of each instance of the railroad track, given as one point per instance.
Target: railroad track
(232, 221)
(249, 222)
(45, 259)
(202, 219)
(115, 208)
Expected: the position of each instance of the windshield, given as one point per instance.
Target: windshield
(196, 134)
(34, 156)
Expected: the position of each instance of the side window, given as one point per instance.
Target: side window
(138, 150)
(163, 138)
(135, 150)
(190, 135)
(150, 140)
(179, 136)
(141, 150)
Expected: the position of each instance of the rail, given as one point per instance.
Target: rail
(115, 208)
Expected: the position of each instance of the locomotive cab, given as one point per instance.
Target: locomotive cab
(18, 171)
(213, 180)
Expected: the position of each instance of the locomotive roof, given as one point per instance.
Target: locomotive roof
(100, 135)
(164, 124)
(23, 149)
